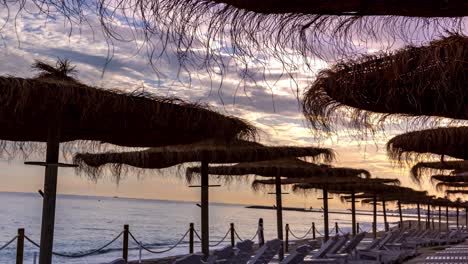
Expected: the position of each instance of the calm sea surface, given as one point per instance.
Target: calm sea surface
(84, 223)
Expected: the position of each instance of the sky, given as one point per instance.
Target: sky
(268, 99)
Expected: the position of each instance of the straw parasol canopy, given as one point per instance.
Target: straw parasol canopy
(443, 141)
(450, 178)
(456, 166)
(212, 151)
(324, 181)
(450, 192)
(447, 185)
(366, 91)
(251, 29)
(289, 168)
(29, 107)
(53, 107)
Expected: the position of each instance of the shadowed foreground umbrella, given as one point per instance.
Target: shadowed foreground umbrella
(456, 166)
(54, 108)
(254, 28)
(289, 168)
(446, 141)
(204, 152)
(416, 82)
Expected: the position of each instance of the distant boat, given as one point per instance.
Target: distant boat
(116, 197)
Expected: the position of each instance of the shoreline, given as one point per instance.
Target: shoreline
(358, 212)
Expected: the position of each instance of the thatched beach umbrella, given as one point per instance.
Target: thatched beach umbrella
(329, 177)
(253, 28)
(400, 195)
(456, 166)
(450, 178)
(415, 82)
(205, 152)
(367, 186)
(289, 168)
(443, 141)
(55, 108)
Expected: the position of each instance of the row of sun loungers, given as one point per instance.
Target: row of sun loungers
(453, 254)
(393, 247)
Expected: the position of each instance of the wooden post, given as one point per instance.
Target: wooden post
(261, 237)
(466, 217)
(286, 245)
(458, 213)
(385, 215)
(353, 214)
(374, 224)
(336, 229)
(325, 214)
(191, 237)
(401, 215)
(313, 230)
(440, 218)
(205, 234)
(433, 225)
(419, 216)
(428, 217)
(357, 228)
(125, 243)
(20, 246)
(279, 214)
(233, 238)
(50, 194)
(447, 217)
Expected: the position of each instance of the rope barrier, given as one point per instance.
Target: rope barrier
(8, 243)
(162, 251)
(196, 233)
(222, 240)
(341, 231)
(238, 237)
(78, 255)
(318, 232)
(304, 236)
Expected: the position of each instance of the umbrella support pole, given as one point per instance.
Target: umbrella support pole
(374, 223)
(419, 216)
(204, 209)
(447, 217)
(49, 199)
(279, 214)
(353, 213)
(385, 215)
(466, 217)
(401, 215)
(440, 218)
(428, 217)
(458, 213)
(325, 214)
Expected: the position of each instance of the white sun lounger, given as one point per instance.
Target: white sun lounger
(266, 253)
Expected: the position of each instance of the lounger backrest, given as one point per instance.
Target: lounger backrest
(339, 244)
(353, 243)
(373, 244)
(224, 253)
(189, 259)
(323, 250)
(266, 253)
(297, 257)
(388, 237)
(244, 252)
(118, 261)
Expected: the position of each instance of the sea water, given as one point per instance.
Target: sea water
(83, 223)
